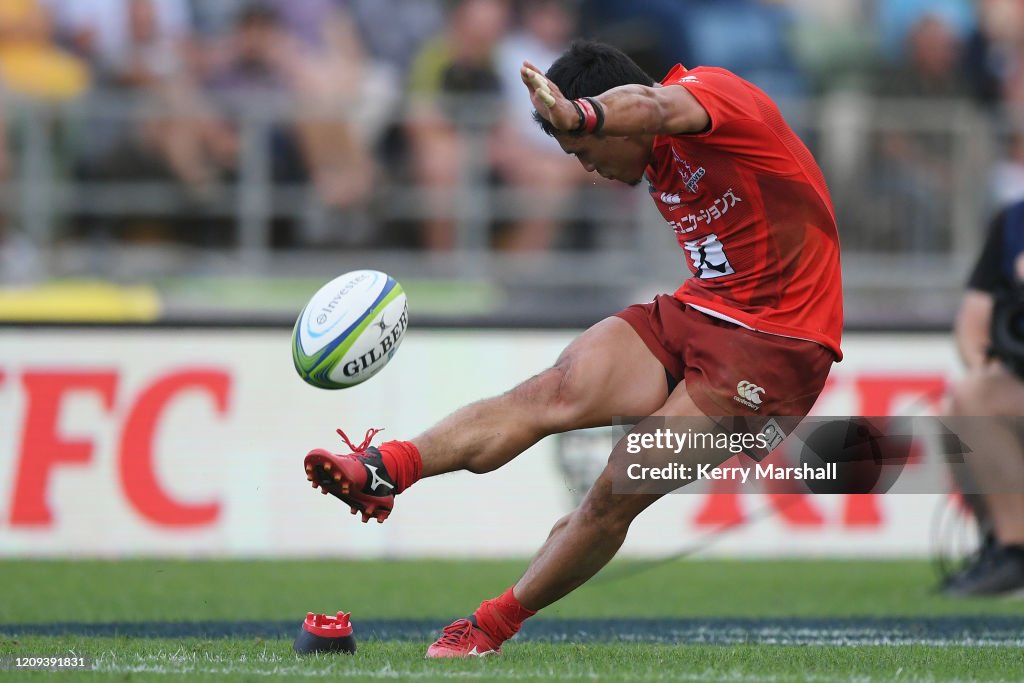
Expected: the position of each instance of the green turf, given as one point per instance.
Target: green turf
(118, 659)
(40, 591)
(175, 590)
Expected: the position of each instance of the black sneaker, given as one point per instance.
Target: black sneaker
(950, 573)
(999, 571)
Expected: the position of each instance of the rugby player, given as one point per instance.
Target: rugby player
(753, 333)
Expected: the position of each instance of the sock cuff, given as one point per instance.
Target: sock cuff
(403, 462)
(501, 617)
(509, 598)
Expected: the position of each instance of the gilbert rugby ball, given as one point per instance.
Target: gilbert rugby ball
(350, 329)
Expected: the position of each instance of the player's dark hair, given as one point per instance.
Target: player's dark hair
(589, 68)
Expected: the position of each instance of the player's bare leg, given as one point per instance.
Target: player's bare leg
(606, 371)
(579, 545)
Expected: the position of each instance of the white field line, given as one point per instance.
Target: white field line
(836, 639)
(267, 665)
(387, 673)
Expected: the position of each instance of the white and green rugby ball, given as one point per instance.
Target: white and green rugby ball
(350, 329)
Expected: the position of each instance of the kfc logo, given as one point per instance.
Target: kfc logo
(43, 450)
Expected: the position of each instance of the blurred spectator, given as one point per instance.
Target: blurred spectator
(1007, 177)
(4, 174)
(148, 56)
(310, 23)
(31, 64)
(213, 23)
(545, 30)
(211, 19)
(349, 98)
(833, 43)
(896, 19)
(255, 78)
(932, 66)
(394, 30)
(457, 64)
(750, 38)
(993, 50)
(995, 60)
(32, 67)
(4, 162)
(342, 98)
(525, 157)
(914, 173)
(121, 37)
(652, 32)
(139, 48)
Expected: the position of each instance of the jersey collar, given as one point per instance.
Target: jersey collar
(674, 74)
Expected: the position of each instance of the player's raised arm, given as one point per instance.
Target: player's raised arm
(622, 111)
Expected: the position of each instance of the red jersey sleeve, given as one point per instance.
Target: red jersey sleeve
(724, 96)
(744, 121)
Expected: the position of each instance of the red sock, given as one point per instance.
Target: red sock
(501, 617)
(402, 461)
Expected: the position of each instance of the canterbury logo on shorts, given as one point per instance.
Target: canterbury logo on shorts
(749, 394)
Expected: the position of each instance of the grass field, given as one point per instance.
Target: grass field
(685, 620)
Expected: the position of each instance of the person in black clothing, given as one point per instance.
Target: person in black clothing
(990, 340)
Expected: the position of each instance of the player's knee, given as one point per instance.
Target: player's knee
(556, 396)
(560, 524)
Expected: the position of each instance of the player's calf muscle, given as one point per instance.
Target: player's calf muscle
(610, 511)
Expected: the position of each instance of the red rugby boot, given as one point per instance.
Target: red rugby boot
(463, 639)
(358, 478)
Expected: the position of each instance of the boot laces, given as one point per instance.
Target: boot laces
(361, 448)
(455, 633)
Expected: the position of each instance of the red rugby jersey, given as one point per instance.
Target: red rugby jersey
(750, 206)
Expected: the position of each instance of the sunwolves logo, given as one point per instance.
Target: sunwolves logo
(749, 394)
(690, 177)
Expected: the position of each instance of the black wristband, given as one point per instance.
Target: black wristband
(583, 118)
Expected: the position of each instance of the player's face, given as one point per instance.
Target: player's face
(621, 159)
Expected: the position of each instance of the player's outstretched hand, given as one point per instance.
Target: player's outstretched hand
(548, 100)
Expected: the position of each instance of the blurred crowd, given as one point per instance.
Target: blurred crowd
(360, 95)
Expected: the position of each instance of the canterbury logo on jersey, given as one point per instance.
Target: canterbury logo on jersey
(749, 394)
